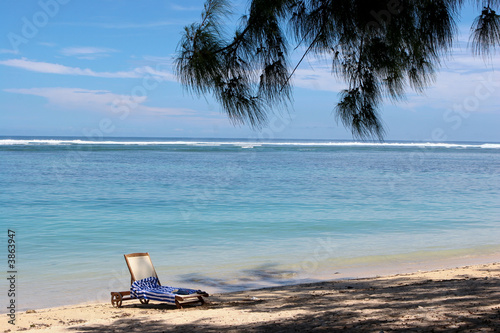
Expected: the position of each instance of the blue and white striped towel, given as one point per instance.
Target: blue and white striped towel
(150, 289)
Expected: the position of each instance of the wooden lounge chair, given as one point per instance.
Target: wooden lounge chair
(146, 286)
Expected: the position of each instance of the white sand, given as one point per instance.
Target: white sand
(465, 299)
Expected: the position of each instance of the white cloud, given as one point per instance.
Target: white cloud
(127, 25)
(49, 68)
(8, 51)
(318, 79)
(89, 53)
(463, 79)
(99, 100)
(47, 44)
(187, 8)
(476, 92)
(315, 73)
(45, 67)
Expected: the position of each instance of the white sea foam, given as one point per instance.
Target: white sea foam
(490, 146)
(249, 144)
(11, 142)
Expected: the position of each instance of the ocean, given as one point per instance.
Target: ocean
(233, 214)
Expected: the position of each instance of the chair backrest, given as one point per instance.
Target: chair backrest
(140, 266)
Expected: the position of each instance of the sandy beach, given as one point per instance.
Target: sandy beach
(463, 299)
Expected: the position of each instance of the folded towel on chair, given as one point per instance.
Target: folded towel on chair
(150, 289)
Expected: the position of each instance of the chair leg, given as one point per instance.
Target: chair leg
(116, 299)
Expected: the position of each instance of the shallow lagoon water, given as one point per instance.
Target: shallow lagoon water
(225, 215)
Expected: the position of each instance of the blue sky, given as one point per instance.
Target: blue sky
(104, 69)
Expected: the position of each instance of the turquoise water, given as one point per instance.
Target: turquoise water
(225, 215)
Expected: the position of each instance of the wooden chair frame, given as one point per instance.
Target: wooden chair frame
(180, 300)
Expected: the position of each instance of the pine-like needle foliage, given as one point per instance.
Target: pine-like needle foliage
(379, 48)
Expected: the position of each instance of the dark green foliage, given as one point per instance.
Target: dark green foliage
(486, 31)
(380, 48)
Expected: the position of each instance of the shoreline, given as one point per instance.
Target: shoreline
(399, 264)
(466, 298)
(270, 277)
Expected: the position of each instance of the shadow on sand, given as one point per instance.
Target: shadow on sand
(396, 305)
(258, 277)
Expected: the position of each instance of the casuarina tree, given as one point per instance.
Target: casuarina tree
(379, 48)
